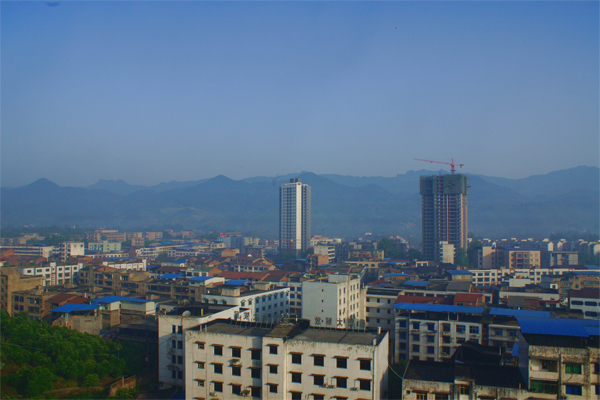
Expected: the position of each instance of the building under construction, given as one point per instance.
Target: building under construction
(444, 208)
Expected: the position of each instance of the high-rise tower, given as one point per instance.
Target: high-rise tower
(294, 217)
(444, 213)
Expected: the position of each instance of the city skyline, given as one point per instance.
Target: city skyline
(153, 91)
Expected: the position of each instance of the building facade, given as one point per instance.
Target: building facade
(294, 217)
(444, 213)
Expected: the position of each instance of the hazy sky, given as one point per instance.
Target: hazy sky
(156, 91)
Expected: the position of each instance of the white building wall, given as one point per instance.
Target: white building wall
(338, 300)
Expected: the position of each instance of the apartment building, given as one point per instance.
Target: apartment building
(172, 326)
(69, 249)
(291, 360)
(264, 302)
(432, 332)
(105, 246)
(559, 358)
(336, 302)
(30, 251)
(54, 274)
(324, 250)
(516, 257)
(587, 300)
(489, 277)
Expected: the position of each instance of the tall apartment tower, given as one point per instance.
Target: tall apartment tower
(444, 213)
(294, 217)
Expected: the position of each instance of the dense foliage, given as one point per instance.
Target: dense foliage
(36, 355)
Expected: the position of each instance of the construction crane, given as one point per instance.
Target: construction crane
(452, 164)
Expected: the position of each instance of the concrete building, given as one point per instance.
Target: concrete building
(336, 302)
(294, 217)
(172, 326)
(291, 360)
(587, 300)
(104, 246)
(444, 213)
(518, 257)
(12, 281)
(265, 303)
(559, 358)
(432, 332)
(446, 252)
(54, 274)
(70, 249)
(30, 251)
(325, 250)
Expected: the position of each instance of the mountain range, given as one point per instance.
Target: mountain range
(342, 205)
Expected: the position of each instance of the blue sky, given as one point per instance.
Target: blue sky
(156, 91)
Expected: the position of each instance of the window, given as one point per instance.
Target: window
(236, 352)
(430, 327)
(217, 350)
(272, 369)
(544, 387)
(596, 368)
(474, 329)
(421, 396)
(319, 361)
(441, 397)
(218, 368)
(341, 382)
(402, 324)
(296, 395)
(365, 384)
(446, 327)
(296, 377)
(272, 349)
(460, 329)
(549, 365)
(415, 325)
(430, 339)
(416, 348)
(365, 365)
(416, 338)
(341, 362)
(179, 374)
(272, 388)
(296, 358)
(573, 389)
(174, 374)
(200, 365)
(236, 389)
(180, 344)
(255, 354)
(255, 373)
(446, 339)
(199, 383)
(236, 371)
(573, 368)
(179, 359)
(430, 350)
(218, 387)
(463, 390)
(318, 397)
(200, 345)
(318, 380)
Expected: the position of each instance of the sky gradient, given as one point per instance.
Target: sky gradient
(158, 91)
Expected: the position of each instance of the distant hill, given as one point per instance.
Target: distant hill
(341, 205)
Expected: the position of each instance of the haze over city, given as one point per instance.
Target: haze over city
(157, 91)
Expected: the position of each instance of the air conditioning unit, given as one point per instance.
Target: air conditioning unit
(236, 363)
(212, 393)
(245, 392)
(330, 386)
(354, 389)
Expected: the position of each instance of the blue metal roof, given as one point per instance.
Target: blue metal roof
(415, 283)
(519, 313)
(592, 266)
(580, 272)
(112, 299)
(521, 248)
(170, 276)
(179, 261)
(67, 308)
(459, 272)
(152, 266)
(199, 278)
(397, 274)
(439, 308)
(552, 326)
(236, 282)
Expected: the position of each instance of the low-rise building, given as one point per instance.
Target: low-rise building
(291, 360)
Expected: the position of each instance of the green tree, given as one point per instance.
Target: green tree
(473, 252)
(461, 258)
(39, 381)
(91, 380)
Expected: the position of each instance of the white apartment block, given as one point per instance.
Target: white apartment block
(70, 249)
(54, 274)
(264, 304)
(171, 329)
(337, 302)
(488, 277)
(328, 251)
(128, 266)
(291, 360)
(35, 251)
(295, 297)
